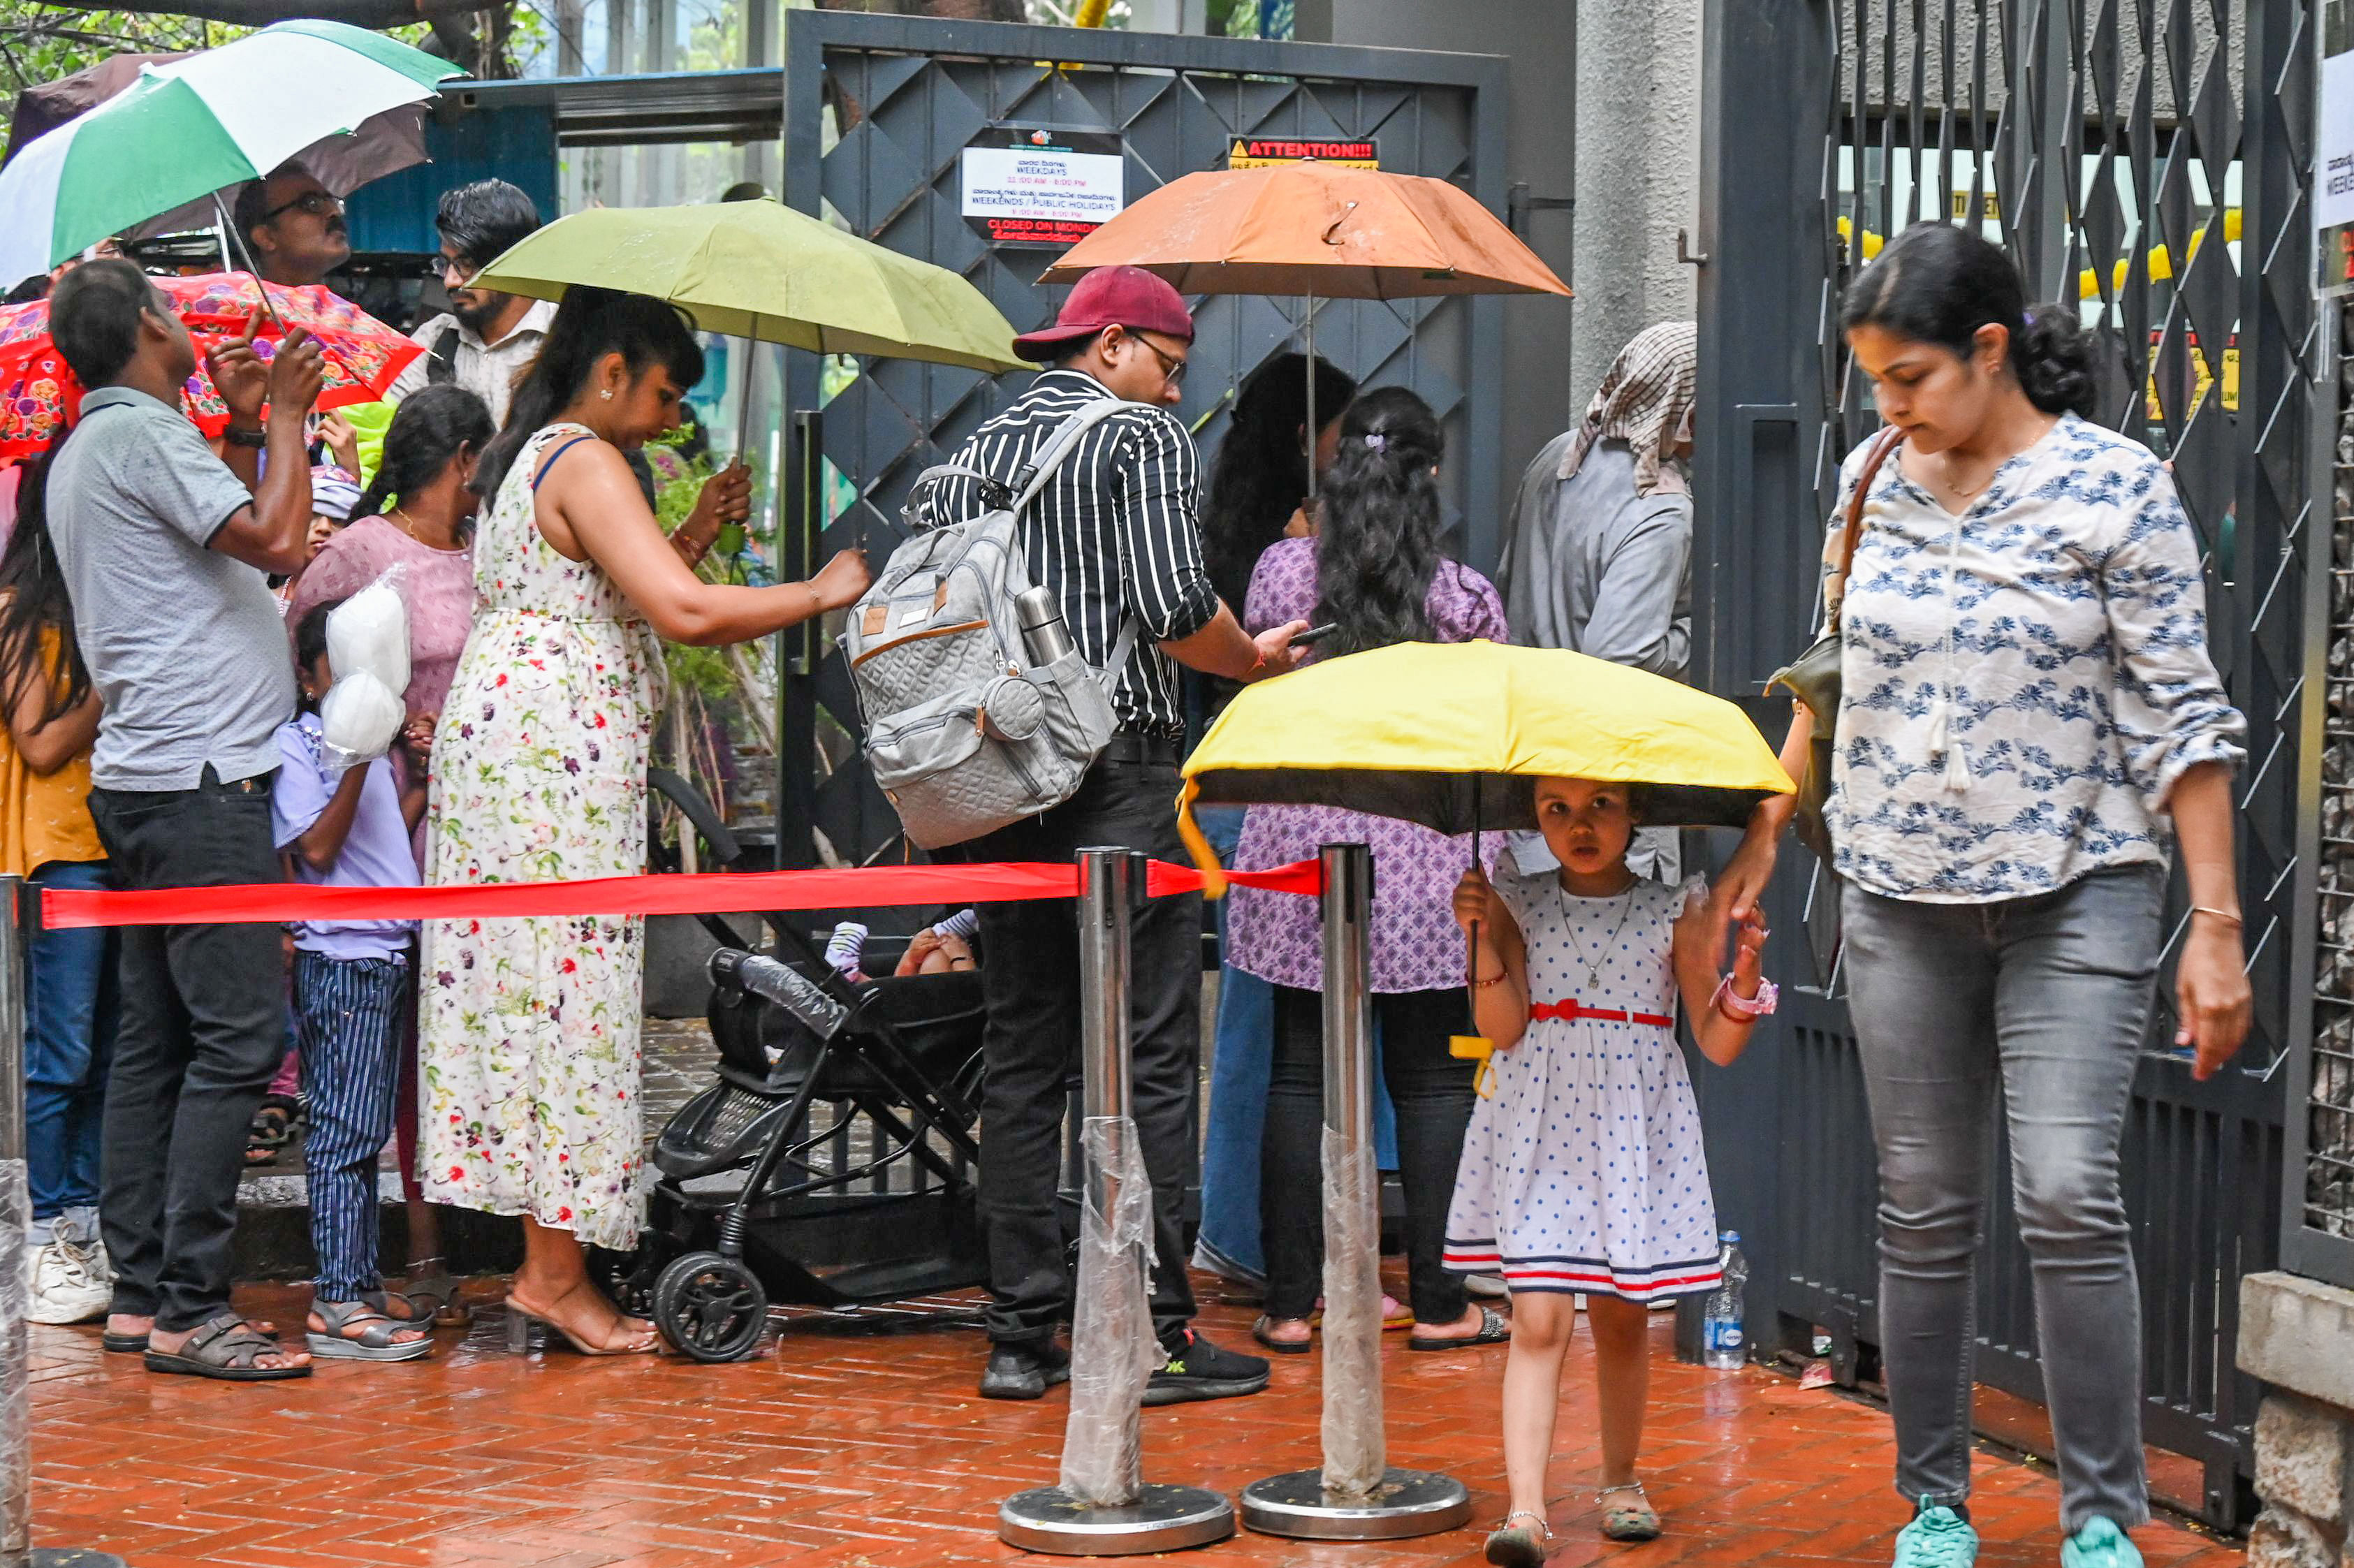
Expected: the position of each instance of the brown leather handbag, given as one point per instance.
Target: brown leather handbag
(1813, 677)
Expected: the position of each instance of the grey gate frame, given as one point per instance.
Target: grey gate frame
(911, 91)
(2098, 130)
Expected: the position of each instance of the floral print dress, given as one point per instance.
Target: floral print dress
(528, 1028)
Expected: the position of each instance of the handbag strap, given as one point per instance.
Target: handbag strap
(1851, 530)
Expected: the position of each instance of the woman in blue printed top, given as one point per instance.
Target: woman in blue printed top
(2030, 725)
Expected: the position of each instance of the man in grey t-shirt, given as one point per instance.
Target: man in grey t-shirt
(163, 548)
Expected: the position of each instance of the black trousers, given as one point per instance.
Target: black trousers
(1432, 1092)
(1030, 982)
(203, 1026)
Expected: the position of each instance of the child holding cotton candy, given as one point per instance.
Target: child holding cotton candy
(338, 813)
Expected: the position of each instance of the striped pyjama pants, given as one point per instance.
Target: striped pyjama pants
(348, 1015)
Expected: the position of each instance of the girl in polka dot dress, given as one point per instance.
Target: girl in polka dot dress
(1582, 1171)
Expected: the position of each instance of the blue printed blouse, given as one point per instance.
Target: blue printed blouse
(2024, 683)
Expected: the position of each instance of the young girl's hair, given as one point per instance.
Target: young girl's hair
(589, 324)
(1938, 282)
(33, 600)
(1261, 470)
(1377, 542)
(311, 643)
(429, 431)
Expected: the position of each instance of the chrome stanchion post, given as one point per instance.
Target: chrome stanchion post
(1356, 1495)
(17, 911)
(1104, 1507)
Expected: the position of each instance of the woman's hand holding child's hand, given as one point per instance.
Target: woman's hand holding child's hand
(1748, 954)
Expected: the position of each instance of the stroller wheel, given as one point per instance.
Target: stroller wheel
(710, 1309)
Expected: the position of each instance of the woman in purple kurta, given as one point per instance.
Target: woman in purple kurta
(1375, 570)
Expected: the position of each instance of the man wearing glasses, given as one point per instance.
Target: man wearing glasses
(1116, 537)
(294, 226)
(486, 338)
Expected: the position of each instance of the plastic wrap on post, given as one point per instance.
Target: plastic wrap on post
(1355, 1451)
(1113, 1349)
(16, 1366)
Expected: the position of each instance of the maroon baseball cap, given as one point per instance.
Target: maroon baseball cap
(1111, 296)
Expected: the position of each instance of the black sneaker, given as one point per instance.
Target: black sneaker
(1198, 1370)
(1025, 1372)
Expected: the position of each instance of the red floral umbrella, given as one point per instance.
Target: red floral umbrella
(39, 394)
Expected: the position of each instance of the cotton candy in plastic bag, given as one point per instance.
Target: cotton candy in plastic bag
(1113, 1349)
(369, 632)
(357, 719)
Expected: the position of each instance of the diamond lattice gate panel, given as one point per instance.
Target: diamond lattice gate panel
(2146, 161)
(878, 111)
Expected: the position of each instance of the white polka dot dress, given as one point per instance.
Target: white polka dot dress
(1583, 1169)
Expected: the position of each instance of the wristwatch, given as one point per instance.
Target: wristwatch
(257, 439)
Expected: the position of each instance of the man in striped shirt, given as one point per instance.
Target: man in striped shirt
(1114, 534)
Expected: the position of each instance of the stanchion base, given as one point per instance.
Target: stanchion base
(1406, 1503)
(73, 1557)
(1164, 1518)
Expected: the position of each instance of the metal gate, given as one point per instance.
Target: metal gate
(2148, 160)
(877, 111)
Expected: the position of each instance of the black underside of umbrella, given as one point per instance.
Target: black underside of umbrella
(1457, 802)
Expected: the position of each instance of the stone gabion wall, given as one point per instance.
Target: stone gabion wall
(2329, 1176)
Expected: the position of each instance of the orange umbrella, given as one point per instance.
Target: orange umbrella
(1313, 228)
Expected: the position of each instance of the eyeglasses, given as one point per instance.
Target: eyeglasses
(318, 204)
(454, 273)
(1172, 369)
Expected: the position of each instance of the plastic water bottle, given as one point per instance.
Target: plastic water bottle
(1722, 1346)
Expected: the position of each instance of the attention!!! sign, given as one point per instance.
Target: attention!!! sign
(1264, 152)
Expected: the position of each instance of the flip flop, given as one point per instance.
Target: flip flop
(1280, 1347)
(1495, 1329)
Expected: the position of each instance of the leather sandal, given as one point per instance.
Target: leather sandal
(1637, 1521)
(1520, 1546)
(226, 1348)
(430, 1285)
(375, 1341)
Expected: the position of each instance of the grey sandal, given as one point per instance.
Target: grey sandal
(1637, 1521)
(431, 1283)
(226, 1348)
(374, 1341)
(1520, 1546)
(1495, 1329)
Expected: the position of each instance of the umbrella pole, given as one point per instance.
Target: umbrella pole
(229, 234)
(1313, 430)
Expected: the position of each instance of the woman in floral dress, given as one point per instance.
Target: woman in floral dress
(529, 1034)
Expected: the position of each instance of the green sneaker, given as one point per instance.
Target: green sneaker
(2099, 1544)
(1939, 1538)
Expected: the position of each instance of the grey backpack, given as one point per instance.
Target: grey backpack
(964, 732)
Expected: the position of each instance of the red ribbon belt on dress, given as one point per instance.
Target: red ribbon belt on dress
(1570, 1011)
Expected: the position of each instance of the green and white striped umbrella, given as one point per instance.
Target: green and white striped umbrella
(196, 126)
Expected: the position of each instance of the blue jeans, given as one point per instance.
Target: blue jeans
(1242, 1057)
(2037, 1005)
(348, 1014)
(69, 1014)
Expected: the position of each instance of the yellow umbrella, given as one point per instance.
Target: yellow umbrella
(1452, 736)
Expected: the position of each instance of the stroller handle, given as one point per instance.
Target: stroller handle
(779, 983)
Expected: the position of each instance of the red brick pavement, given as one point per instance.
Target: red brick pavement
(859, 1443)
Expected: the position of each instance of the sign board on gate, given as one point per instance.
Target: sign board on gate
(2333, 167)
(1042, 189)
(1262, 152)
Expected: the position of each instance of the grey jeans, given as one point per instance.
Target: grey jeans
(2046, 998)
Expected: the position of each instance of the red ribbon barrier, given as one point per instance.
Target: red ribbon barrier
(712, 893)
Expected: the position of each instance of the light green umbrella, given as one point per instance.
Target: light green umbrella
(761, 271)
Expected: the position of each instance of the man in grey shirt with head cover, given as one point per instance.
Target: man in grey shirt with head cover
(163, 548)
(1597, 553)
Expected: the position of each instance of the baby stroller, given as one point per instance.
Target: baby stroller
(833, 1164)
